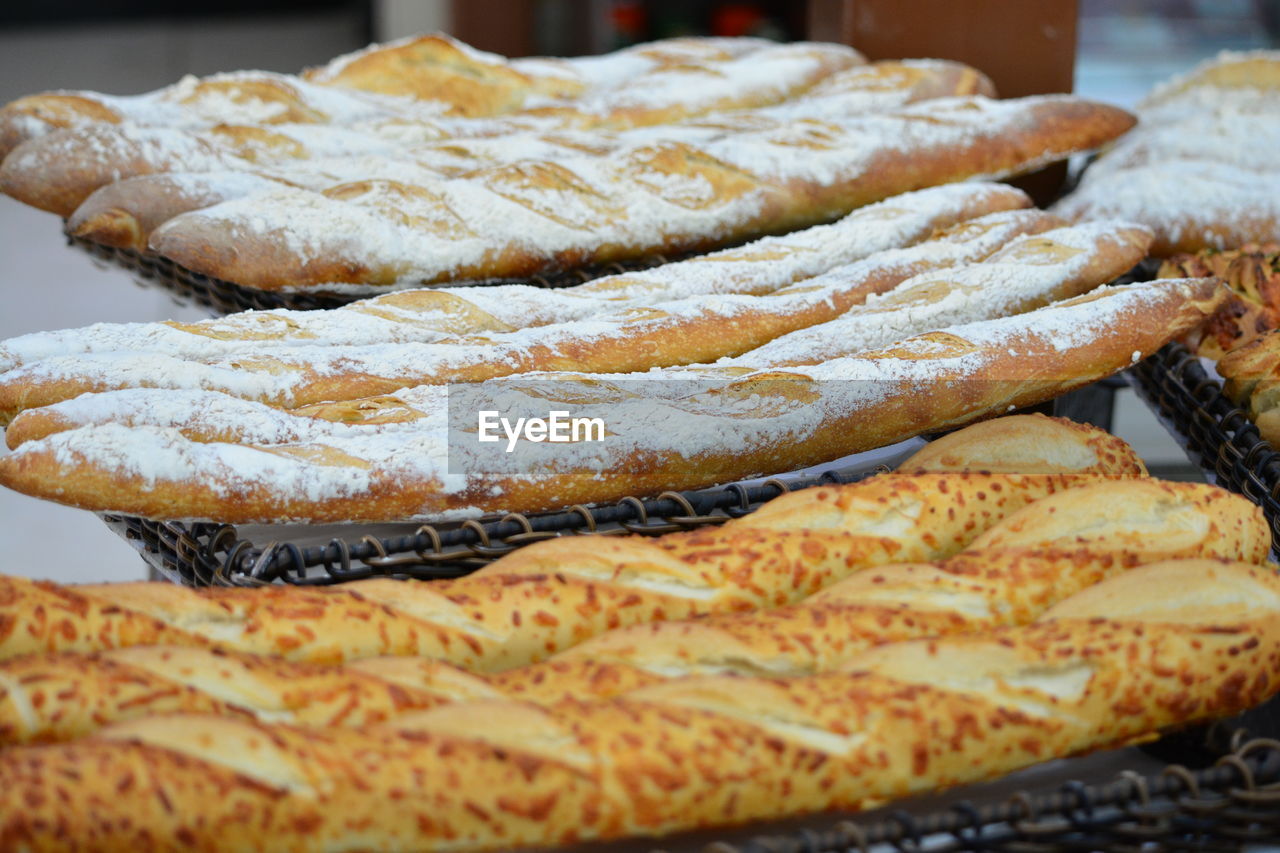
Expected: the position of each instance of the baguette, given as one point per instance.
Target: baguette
(407, 463)
(424, 315)
(520, 219)
(123, 213)
(1014, 269)
(1188, 172)
(548, 596)
(1167, 644)
(431, 76)
(68, 695)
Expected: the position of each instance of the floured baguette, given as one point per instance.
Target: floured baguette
(432, 76)
(1188, 171)
(546, 597)
(981, 270)
(516, 220)
(58, 171)
(425, 315)
(408, 463)
(157, 184)
(62, 696)
(1170, 644)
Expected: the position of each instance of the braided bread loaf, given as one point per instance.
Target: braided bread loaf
(1009, 575)
(545, 597)
(1155, 647)
(405, 461)
(428, 315)
(1189, 172)
(158, 183)
(1028, 272)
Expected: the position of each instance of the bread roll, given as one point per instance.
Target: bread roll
(1188, 171)
(430, 76)
(981, 271)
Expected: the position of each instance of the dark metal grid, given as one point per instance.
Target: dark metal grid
(1216, 434)
(225, 297)
(204, 554)
(1223, 807)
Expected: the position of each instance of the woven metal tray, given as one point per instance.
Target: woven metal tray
(1233, 802)
(225, 297)
(1215, 433)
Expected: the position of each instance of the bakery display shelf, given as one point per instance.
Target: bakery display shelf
(1231, 804)
(202, 554)
(225, 297)
(1215, 433)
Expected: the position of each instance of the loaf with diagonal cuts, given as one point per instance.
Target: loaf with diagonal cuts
(1187, 171)
(429, 77)
(426, 315)
(129, 181)
(523, 218)
(59, 170)
(419, 454)
(543, 598)
(981, 270)
(1159, 646)
(1058, 551)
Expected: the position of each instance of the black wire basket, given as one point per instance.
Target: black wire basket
(1216, 434)
(1231, 803)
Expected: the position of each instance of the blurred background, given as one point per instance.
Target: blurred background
(1112, 50)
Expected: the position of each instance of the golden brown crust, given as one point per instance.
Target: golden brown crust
(554, 594)
(1027, 444)
(1253, 274)
(999, 366)
(35, 115)
(879, 164)
(905, 718)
